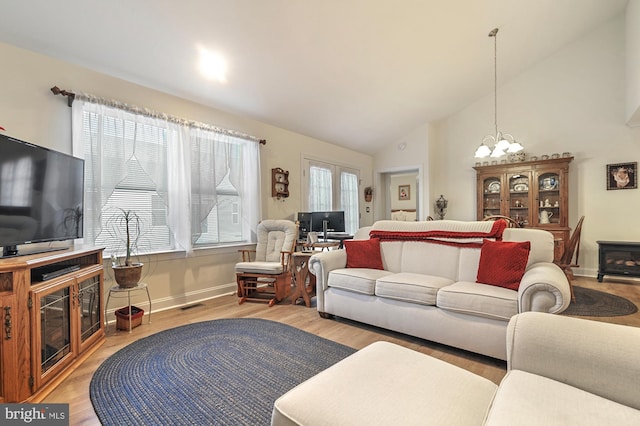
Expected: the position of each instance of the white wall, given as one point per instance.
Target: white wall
(408, 153)
(572, 101)
(29, 111)
(633, 62)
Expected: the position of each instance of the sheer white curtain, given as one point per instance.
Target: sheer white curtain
(246, 178)
(349, 201)
(172, 169)
(333, 187)
(225, 180)
(320, 188)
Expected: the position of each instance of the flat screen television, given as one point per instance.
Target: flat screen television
(41, 196)
(334, 221)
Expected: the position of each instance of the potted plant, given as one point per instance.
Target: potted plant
(126, 274)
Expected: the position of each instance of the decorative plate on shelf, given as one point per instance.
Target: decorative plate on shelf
(520, 187)
(494, 187)
(548, 184)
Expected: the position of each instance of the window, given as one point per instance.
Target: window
(165, 172)
(119, 154)
(332, 187)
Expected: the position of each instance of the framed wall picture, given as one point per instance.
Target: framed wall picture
(404, 192)
(622, 176)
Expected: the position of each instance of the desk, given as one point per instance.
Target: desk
(340, 237)
(300, 274)
(320, 245)
(116, 290)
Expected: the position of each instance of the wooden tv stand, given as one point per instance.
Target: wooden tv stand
(48, 327)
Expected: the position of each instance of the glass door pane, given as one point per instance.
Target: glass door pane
(549, 198)
(89, 307)
(320, 188)
(491, 199)
(55, 327)
(349, 200)
(519, 199)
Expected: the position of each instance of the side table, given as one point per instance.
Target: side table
(300, 274)
(118, 291)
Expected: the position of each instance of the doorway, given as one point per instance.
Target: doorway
(402, 195)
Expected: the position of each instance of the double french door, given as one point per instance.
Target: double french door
(329, 187)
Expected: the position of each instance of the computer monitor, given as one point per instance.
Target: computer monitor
(334, 222)
(304, 225)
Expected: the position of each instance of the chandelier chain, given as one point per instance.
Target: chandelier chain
(504, 142)
(494, 34)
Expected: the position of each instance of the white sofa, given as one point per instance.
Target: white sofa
(560, 371)
(429, 290)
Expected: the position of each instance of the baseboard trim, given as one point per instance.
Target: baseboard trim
(179, 300)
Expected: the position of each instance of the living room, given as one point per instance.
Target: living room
(582, 98)
(586, 116)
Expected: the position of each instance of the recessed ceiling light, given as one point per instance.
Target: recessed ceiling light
(212, 65)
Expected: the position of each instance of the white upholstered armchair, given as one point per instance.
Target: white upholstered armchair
(267, 278)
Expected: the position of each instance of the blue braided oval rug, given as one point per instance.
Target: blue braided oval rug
(221, 372)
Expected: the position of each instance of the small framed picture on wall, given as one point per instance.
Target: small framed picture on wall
(404, 192)
(622, 176)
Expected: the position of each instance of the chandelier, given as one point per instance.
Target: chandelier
(502, 142)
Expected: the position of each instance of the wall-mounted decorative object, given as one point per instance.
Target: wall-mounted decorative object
(441, 207)
(622, 176)
(404, 192)
(368, 194)
(279, 183)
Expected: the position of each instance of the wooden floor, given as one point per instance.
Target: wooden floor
(75, 389)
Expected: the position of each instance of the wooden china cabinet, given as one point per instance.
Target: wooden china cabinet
(534, 193)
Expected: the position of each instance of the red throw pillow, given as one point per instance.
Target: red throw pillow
(363, 253)
(502, 263)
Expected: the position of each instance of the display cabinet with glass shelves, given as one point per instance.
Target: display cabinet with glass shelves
(533, 193)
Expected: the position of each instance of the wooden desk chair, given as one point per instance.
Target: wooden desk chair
(267, 278)
(511, 223)
(570, 249)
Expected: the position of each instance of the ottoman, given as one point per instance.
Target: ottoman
(387, 384)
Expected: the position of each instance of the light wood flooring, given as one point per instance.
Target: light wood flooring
(75, 389)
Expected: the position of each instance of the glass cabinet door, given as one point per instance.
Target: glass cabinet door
(549, 203)
(55, 327)
(519, 197)
(52, 347)
(89, 312)
(492, 200)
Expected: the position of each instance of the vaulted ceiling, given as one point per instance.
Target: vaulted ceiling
(357, 73)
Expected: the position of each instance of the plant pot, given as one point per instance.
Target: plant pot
(128, 276)
(123, 318)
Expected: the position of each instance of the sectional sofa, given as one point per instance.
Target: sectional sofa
(452, 282)
(560, 371)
